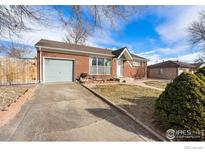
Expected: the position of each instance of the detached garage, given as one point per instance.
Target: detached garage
(58, 70)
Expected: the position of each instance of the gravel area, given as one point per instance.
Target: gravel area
(9, 94)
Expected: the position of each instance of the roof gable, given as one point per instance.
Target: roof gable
(122, 52)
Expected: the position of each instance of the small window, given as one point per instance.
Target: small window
(100, 66)
(136, 63)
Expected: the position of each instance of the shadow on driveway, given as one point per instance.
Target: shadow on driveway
(122, 121)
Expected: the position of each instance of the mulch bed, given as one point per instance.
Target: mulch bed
(9, 94)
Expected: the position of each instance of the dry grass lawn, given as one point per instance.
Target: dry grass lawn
(157, 84)
(9, 94)
(139, 101)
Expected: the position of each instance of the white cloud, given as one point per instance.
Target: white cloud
(189, 58)
(148, 52)
(154, 57)
(180, 48)
(151, 55)
(101, 36)
(174, 35)
(32, 37)
(173, 30)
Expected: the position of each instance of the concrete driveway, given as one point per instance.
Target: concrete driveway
(68, 112)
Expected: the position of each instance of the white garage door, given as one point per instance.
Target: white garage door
(58, 70)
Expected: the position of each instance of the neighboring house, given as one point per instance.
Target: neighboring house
(169, 69)
(199, 65)
(59, 62)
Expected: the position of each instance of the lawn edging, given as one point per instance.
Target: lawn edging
(15, 107)
(157, 135)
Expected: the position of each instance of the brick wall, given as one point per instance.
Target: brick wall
(167, 73)
(134, 71)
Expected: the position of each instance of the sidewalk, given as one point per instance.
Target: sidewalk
(142, 84)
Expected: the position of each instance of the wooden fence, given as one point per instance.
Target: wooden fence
(17, 71)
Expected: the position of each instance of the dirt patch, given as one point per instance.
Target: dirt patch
(14, 101)
(9, 94)
(138, 101)
(157, 84)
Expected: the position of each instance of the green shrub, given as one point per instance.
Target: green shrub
(182, 104)
(201, 76)
(201, 70)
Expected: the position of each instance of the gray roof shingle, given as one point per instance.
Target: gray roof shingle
(171, 63)
(69, 46)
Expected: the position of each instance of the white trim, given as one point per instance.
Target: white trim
(45, 57)
(58, 58)
(129, 63)
(123, 53)
(77, 51)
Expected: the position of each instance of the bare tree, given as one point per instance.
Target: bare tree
(197, 34)
(77, 34)
(15, 50)
(200, 59)
(14, 18)
(83, 20)
(197, 30)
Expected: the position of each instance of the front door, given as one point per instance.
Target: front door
(119, 68)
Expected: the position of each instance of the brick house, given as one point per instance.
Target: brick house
(170, 69)
(60, 62)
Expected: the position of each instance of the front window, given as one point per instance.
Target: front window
(93, 63)
(100, 69)
(100, 66)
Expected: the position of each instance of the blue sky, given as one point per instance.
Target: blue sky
(157, 33)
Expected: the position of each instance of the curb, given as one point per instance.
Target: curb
(157, 135)
(15, 107)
